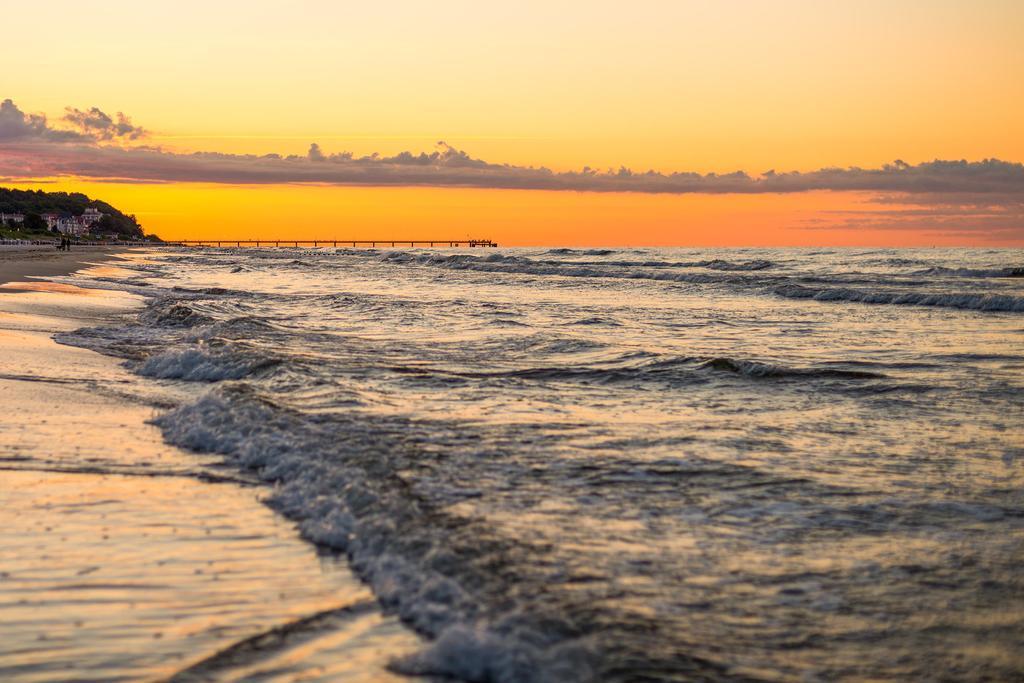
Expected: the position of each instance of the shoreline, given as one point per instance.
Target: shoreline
(20, 262)
(124, 557)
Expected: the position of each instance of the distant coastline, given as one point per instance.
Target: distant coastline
(37, 214)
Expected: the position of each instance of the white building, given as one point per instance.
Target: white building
(8, 218)
(73, 225)
(91, 216)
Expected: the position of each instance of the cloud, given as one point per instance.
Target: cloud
(315, 154)
(90, 126)
(16, 125)
(31, 148)
(989, 215)
(101, 126)
(979, 198)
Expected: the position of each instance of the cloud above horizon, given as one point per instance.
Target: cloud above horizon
(93, 144)
(99, 125)
(89, 126)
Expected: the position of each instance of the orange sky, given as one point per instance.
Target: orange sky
(510, 217)
(674, 86)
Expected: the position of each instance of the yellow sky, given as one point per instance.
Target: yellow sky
(675, 85)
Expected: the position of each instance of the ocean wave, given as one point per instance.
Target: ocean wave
(756, 369)
(499, 263)
(480, 654)
(595, 321)
(129, 342)
(893, 261)
(208, 291)
(420, 562)
(1006, 272)
(505, 322)
(121, 282)
(973, 302)
(240, 327)
(171, 313)
(719, 264)
(583, 252)
(469, 261)
(678, 370)
(199, 365)
(713, 264)
(546, 344)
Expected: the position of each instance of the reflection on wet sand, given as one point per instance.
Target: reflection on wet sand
(118, 562)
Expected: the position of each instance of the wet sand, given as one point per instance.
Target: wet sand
(122, 558)
(20, 262)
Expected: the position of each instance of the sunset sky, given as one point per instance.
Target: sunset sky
(672, 87)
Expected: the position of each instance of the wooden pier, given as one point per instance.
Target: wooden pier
(330, 243)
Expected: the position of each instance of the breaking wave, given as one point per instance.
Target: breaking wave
(199, 365)
(169, 312)
(972, 302)
(657, 271)
(673, 370)
(756, 369)
(1014, 271)
(338, 481)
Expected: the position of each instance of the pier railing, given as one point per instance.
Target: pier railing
(331, 243)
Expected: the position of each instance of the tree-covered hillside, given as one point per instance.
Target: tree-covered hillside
(37, 202)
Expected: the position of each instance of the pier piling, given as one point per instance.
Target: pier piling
(372, 243)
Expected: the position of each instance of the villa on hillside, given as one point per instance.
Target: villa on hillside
(9, 218)
(73, 225)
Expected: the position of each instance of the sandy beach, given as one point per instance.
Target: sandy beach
(20, 262)
(123, 558)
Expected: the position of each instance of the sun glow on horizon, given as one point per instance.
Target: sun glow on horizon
(510, 217)
(696, 86)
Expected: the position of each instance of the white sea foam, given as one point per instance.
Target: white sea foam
(198, 365)
(602, 489)
(974, 302)
(340, 508)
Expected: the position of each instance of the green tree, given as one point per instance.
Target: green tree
(107, 224)
(73, 203)
(34, 223)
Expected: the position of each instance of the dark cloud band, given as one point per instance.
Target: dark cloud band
(30, 147)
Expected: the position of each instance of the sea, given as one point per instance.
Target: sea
(621, 464)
